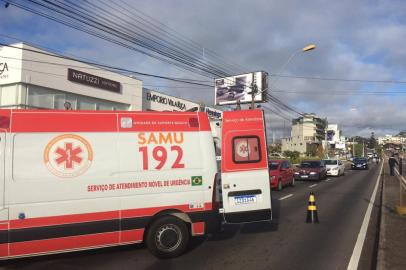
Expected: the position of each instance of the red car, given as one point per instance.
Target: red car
(280, 173)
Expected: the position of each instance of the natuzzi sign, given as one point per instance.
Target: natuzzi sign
(93, 80)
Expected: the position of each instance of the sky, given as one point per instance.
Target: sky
(359, 42)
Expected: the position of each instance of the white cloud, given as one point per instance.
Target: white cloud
(355, 40)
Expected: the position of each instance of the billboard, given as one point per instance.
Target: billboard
(330, 135)
(230, 90)
(340, 145)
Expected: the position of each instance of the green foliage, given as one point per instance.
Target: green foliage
(358, 150)
(275, 148)
(293, 156)
(372, 143)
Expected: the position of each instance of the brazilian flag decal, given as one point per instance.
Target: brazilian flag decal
(197, 180)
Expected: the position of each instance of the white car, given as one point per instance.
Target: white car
(275, 154)
(335, 167)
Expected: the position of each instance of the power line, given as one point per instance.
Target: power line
(108, 67)
(357, 92)
(90, 22)
(337, 79)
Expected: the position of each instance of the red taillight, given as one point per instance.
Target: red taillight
(216, 201)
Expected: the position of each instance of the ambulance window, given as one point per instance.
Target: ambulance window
(246, 149)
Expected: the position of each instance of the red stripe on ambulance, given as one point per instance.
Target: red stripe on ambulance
(99, 216)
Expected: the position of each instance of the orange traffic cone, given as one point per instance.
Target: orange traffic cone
(312, 216)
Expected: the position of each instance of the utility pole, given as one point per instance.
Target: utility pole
(238, 108)
(363, 149)
(254, 90)
(353, 147)
(325, 143)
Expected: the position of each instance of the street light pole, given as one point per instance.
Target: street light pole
(304, 49)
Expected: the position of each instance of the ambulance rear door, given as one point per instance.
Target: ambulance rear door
(245, 183)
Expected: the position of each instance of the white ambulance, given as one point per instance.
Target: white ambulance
(72, 180)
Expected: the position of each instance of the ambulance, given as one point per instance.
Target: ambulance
(74, 180)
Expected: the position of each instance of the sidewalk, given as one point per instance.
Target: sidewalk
(392, 235)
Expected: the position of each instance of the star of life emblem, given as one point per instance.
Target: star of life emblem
(68, 155)
(243, 149)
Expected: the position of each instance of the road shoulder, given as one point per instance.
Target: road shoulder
(392, 236)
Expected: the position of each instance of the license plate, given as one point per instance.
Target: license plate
(305, 176)
(359, 165)
(245, 199)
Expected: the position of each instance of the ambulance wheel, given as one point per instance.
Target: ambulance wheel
(167, 237)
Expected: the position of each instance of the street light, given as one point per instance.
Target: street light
(307, 48)
(304, 49)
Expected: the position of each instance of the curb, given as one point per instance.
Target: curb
(380, 265)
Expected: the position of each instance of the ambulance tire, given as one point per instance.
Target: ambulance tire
(167, 237)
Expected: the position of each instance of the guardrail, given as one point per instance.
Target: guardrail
(401, 209)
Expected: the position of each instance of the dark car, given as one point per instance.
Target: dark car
(311, 170)
(280, 173)
(359, 164)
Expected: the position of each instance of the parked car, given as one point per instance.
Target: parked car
(311, 170)
(360, 163)
(280, 173)
(277, 155)
(334, 167)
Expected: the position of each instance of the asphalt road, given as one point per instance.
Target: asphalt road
(287, 243)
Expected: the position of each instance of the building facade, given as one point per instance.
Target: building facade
(391, 139)
(307, 133)
(36, 79)
(32, 78)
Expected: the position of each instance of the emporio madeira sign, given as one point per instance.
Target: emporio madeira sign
(166, 100)
(3, 70)
(93, 80)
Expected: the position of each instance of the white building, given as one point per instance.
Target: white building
(391, 139)
(334, 138)
(33, 78)
(307, 132)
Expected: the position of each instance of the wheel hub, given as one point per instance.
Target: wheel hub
(168, 238)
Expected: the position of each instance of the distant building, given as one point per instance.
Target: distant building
(307, 131)
(391, 139)
(334, 138)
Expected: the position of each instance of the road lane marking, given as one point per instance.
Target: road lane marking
(285, 197)
(356, 254)
(313, 185)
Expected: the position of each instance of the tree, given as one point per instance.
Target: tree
(311, 150)
(292, 155)
(275, 148)
(372, 141)
(320, 151)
